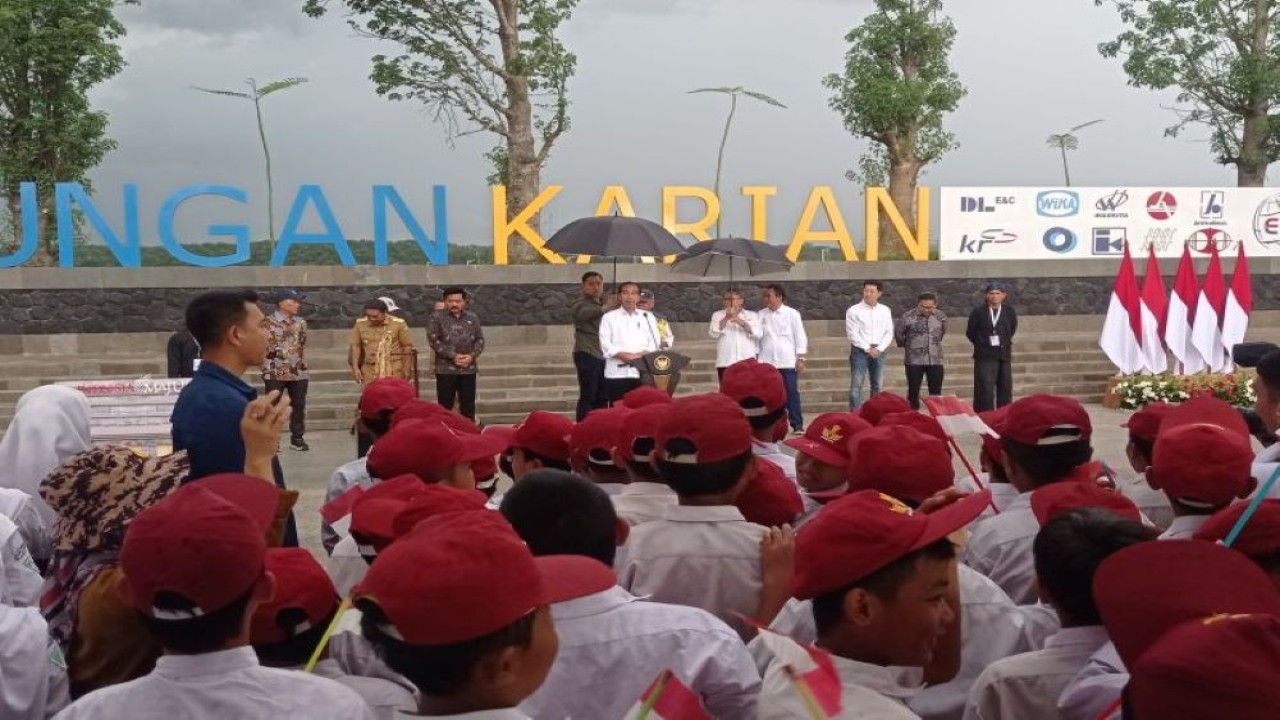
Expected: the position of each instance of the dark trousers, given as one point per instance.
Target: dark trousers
(916, 373)
(297, 390)
(615, 388)
(791, 381)
(590, 383)
(459, 388)
(720, 373)
(992, 384)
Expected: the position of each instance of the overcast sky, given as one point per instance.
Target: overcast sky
(1031, 68)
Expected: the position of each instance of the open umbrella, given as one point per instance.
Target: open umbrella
(732, 256)
(614, 236)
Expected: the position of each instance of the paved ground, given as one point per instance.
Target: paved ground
(308, 472)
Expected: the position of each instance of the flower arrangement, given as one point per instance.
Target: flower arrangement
(1135, 391)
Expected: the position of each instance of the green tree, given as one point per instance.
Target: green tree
(495, 66)
(255, 96)
(1223, 59)
(896, 87)
(52, 52)
(733, 93)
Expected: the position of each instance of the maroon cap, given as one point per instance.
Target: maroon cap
(593, 440)
(644, 396)
(1145, 423)
(881, 404)
(702, 429)
(901, 462)
(385, 394)
(1260, 536)
(755, 386)
(416, 409)
(435, 500)
(1051, 501)
(636, 435)
(1146, 589)
(193, 544)
(1046, 420)
(465, 575)
(257, 497)
(545, 433)
(1201, 465)
(426, 447)
(862, 532)
(301, 584)
(374, 511)
(1206, 410)
(770, 498)
(915, 421)
(827, 437)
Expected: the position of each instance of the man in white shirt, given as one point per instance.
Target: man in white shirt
(737, 332)
(784, 346)
(869, 327)
(626, 333)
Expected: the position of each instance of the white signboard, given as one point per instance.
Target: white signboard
(132, 412)
(1033, 223)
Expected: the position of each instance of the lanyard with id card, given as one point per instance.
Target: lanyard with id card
(995, 319)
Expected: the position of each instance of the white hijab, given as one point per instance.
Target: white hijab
(50, 424)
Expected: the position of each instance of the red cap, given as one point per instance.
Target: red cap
(385, 394)
(1260, 536)
(1217, 667)
(915, 421)
(545, 433)
(862, 532)
(465, 575)
(901, 462)
(702, 429)
(593, 440)
(435, 500)
(419, 410)
(257, 497)
(194, 544)
(881, 404)
(374, 511)
(827, 437)
(1145, 423)
(755, 386)
(1201, 465)
(301, 584)
(1146, 589)
(638, 430)
(771, 498)
(644, 396)
(1046, 420)
(425, 447)
(1051, 501)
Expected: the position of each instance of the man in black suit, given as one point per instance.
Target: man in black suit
(991, 328)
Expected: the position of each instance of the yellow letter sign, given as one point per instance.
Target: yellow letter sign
(519, 225)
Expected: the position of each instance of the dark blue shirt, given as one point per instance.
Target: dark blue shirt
(206, 422)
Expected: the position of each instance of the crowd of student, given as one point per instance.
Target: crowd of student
(646, 556)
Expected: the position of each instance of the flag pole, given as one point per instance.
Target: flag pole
(659, 686)
(810, 702)
(328, 633)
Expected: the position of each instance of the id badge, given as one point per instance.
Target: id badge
(195, 364)
(995, 341)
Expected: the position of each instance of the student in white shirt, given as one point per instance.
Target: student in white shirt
(737, 332)
(784, 346)
(33, 672)
(646, 497)
(1143, 426)
(869, 327)
(612, 644)
(759, 390)
(626, 333)
(591, 449)
(822, 457)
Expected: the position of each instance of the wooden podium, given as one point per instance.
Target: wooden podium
(661, 369)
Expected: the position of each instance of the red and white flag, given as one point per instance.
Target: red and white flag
(1206, 330)
(956, 417)
(1181, 314)
(812, 690)
(1155, 304)
(668, 699)
(1122, 332)
(1235, 320)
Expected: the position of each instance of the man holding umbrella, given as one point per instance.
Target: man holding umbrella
(586, 312)
(626, 333)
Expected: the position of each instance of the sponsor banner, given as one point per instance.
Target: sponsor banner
(132, 412)
(1030, 223)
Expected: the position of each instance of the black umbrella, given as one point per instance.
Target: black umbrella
(614, 236)
(732, 256)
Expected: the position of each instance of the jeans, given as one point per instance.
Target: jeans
(297, 391)
(590, 383)
(992, 384)
(792, 382)
(860, 365)
(916, 373)
(461, 388)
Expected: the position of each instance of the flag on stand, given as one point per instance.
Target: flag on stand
(1155, 304)
(668, 699)
(1206, 330)
(1122, 332)
(1179, 318)
(1235, 321)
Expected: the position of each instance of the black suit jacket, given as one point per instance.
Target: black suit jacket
(979, 332)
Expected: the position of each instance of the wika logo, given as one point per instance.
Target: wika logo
(1057, 203)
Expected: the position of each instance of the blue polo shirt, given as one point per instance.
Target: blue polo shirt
(206, 422)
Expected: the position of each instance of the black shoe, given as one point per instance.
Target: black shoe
(300, 444)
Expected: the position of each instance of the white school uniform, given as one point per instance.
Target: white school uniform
(626, 332)
(733, 343)
(1000, 548)
(774, 453)
(219, 685)
(383, 697)
(1183, 527)
(612, 645)
(33, 677)
(355, 656)
(868, 692)
(20, 583)
(346, 567)
(1028, 685)
(1001, 493)
(642, 502)
(24, 511)
(499, 714)
(1153, 504)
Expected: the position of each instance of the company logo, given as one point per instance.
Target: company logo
(1057, 203)
(1266, 221)
(1162, 205)
(1202, 241)
(1211, 204)
(1110, 240)
(982, 204)
(1059, 240)
(977, 243)
(1108, 206)
(1159, 238)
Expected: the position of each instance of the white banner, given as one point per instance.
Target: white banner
(1035, 223)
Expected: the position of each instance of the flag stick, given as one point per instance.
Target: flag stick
(1258, 497)
(328, 633)
(810, 702)
(659, 686)
(967, 465)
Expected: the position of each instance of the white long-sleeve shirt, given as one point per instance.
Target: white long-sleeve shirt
(1028, 685)
(784, 337)
(866, 325)
(734, 342)
(626, 332)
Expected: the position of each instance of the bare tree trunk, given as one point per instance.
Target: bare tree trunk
(14, 204)
(1251, 166)
(524, 171)
(903, 176)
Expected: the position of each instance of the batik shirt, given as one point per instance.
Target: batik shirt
(285, 354)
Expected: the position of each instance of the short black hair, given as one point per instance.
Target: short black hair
(926, 296)
(644, 470)
(560, 513)
(380, 425)
(1143, 446)
(204, 634)
(1069, 549)
(1269, 371)
(439, 670)
(504, 463)
(591, 274)
(453, 290)
(1047, 464)
(873, 283)
(297, 649)
(627, 283)
(375, 304)
(705, 478)
(884, 583)
(777, 290)
(211, 314)
(766, 421)
(544, 460)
